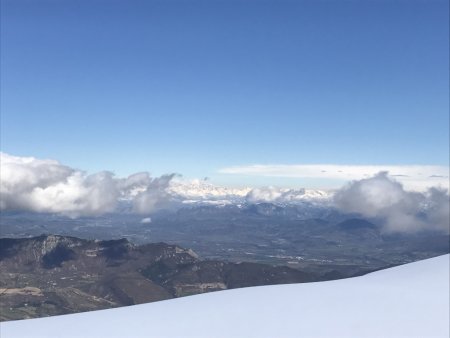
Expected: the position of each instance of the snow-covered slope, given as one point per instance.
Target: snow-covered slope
(406, 301)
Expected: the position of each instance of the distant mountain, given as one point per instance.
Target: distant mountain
(356, 224)
(201, 192)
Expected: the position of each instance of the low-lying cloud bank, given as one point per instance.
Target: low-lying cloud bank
(402, 211)
(32, 184)
(37, 185)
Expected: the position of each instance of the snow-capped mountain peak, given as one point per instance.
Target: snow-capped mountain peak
(201, 191)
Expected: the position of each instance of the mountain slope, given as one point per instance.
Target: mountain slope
(406, 301)
(68, 274)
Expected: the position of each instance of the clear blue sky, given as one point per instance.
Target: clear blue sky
(194, 86)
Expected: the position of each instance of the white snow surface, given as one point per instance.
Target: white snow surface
(411, 300)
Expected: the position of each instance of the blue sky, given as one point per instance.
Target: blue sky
(196, 86)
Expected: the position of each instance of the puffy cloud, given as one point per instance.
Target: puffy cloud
(438, 208)
(76, 195)
(40, 185)
(18, 174)
(403, 211)
(154, 196)
(134, 184)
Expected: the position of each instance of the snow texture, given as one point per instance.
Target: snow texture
(406, 301)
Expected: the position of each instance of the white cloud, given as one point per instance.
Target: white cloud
(416, 177)
(146, 220)
(75, 195)
(38, 185)
(154, 196)
(403, 211)
(41, 185)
